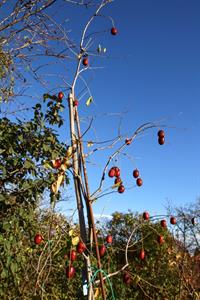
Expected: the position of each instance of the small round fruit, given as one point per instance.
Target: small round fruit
(57, 163)
(73, 255)
(109, 239)
(102, 250)
(126, 278)
(81, 247)
(139, 182)
(128, 141)
(173, 220)
(75, 103)
(121, 189)
(118, 180)
(111, 172)
(161, 140)
(85, 61)
(163, 223)
(142, 254)
(161, 134)
(146, 215)
(38, 239)
(136, 173)
(60, 95)
(70, 271)
(114, 31)
(117, 171)
(160, 239)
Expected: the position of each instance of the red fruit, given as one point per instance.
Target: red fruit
(85, 61)
(145, 215)
(117, 172)
(139, 182)
(109, 239)
(60, 95)
(121, 189)
(38, 239)
(73, 255)
(173, 220)
(136, 173)
(102, 250)
(161, 140)
(160, 239)
(126, 278)
(57, 163)
(128, 141)
(81, 247)
(161, 134)
(111, 172)
(193, 221)
(114, 31)
(75, 103)
(142, 254)
(163, 223)
(70, 271)
(118, 180)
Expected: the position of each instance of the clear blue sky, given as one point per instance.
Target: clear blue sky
(153, 73)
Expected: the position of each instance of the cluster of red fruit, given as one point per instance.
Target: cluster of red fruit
(161, 137)
(81, 247)
(115, 172)
(70, 270)
(136, 174)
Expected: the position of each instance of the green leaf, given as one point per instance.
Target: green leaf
(4, 274)
(89, 101)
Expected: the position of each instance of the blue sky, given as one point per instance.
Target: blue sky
(151, 73)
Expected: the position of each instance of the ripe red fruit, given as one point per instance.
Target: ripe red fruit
(193, 221)
(173, 220)
(121, 189)
(102, 250)
(70, 271)
(81, 247)
(75, 103)
(139, 182)
(161, 140)
(161, 134)
(57, 163)
(60, 95)
(109, 239)
(126, 278)
(136, 173)
(85, 61)
(114, 31)
(142, 254)
(128, 141)
(118, 180)
(160, 239)
(163, 223)
(145, 215)
(73, 255)
(111, 172)
(38, 239)
(117, 172)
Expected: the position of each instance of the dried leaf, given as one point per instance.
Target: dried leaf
(75, 241)
(96, 293)
(55, 186)
(71, 232)
(90, 144)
